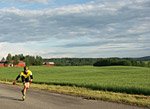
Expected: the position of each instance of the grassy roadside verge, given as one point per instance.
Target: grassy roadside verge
(138, 100)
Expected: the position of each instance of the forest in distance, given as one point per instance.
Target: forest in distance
(38, 60)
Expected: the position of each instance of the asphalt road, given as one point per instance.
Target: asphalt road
(10, 98)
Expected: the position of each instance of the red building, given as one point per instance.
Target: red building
(20, 64)
(48, 63)
(2, 63)
(5, 64)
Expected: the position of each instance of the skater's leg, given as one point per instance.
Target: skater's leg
(26, 86)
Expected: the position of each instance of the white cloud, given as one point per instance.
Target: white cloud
(18, 48)
(45, 2)
(95, 24)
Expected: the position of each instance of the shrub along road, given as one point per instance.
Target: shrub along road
(10, 98)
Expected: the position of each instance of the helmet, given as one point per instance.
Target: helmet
(26, 68)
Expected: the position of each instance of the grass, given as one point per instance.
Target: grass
(113, 83)
(125, 79)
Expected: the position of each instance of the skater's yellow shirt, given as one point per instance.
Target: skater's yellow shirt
(26, 75)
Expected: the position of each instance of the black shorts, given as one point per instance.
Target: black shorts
(25, 79)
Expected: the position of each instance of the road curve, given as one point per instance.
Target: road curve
(10, 98)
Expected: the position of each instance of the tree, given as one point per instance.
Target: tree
(16, 58)
(27, 60)
(3, 59)
(142, 64)
(148, 64)
(112, 62)
(124, 62)
(32, 60)
(38, 60)
(9, 58)
(21, 57)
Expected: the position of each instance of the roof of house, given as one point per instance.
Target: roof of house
(3, 61)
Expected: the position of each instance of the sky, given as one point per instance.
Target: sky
(75, 28)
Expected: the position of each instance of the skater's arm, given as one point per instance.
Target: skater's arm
(14, 83)
(17, 78)
(31, 79)
(31, 76)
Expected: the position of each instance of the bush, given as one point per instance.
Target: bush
(117, 61)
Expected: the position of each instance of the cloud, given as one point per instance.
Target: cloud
(74, 21)
(45, 2)
(12, 48)
(94, 24)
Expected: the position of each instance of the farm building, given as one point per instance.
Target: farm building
(5, 64)
(20, 64)
(48, 63)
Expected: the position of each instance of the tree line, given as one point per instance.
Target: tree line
(38, 60)
(97, 62)
(29, 60)
(72, 61)
(120, 61)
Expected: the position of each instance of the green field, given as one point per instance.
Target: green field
(126, 79)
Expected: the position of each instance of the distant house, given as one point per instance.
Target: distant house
(5, 64)
(2, 63)
(20, 64)
(48, 63)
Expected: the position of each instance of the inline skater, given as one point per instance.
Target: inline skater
(25, 79)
